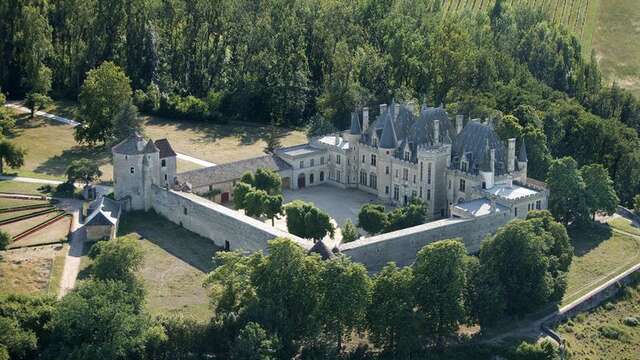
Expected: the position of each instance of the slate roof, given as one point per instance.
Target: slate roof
(129, 146)
(388, 139)
(231, 171)
(165, 148)
(355, 124)
(471, 145)
(321, 248)
(103, 211)
(522, 155)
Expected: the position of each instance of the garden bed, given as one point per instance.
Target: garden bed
(55, 232)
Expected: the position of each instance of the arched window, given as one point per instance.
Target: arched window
(310, 178)
(321, 176)
(363, 178)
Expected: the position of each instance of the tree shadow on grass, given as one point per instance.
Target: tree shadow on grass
(179, 242)
(57, 165)
(589, 237)
(209, 132)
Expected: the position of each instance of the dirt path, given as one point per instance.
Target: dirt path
(72, 260)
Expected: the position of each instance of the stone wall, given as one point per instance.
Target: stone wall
(401, 246)
(216, 222)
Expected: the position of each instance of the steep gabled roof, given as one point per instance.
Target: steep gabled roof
(165, 148)
(472, 144)
(104, 211)
(129, 146)
(388, 139)
(355, 124)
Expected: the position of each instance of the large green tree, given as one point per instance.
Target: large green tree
(116, 259)
(600, 193)
(307, 221)
(84, 170)
(566, 191)
(372, 218)
(439, 283)
(105, 90)
(11, 155)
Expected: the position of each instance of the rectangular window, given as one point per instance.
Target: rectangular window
(420, 192)
(405, 174)
(132, 170)
(165, 177)
(464, 166)
(386, 170)
(164, 163)
(396, 173)
(515, 211)
(407, 156)
(449, 184)
(322, 160)
(312, 162)
(363, 178)
(373, 181)
(463, 185)
(337, 159)
(428, 173)
(421, 170)
(396, 192)
(301, 164)
(373, 160)
(538, 205)
(386, 190)
(414, 178)
(184, 211)
(363, 159)
(338, 176)
(428, 194)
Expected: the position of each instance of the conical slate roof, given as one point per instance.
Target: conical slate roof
(522, 155)
(355, 124)
(388, 140)
(151, 147)
(322, 249)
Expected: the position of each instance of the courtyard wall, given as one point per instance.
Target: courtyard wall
(216, 222)
(401, 246)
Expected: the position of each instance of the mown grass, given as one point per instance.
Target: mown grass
(32, 270)
(175, 263)
(617, 42)
(606, 333)
(600, 254)
(9, 186)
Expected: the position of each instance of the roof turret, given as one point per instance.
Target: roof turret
(522, 155)
(388, 139)
(355, 124)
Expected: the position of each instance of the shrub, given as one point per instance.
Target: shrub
(636, 204)
(66, 189)
(5, 239)
(631, 321)
(611, 332)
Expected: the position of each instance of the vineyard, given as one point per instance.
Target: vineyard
(579, 16)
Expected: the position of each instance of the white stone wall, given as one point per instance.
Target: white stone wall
(168, 172)
(401, 246)
(216, 222)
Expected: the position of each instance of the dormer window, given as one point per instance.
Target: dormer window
(132, 170)
(374, 142)
(407, 156)
(164, 163)
(463, 166)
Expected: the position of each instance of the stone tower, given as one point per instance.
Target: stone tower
(136, 167)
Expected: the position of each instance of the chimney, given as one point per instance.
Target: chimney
(459, 122)
(436, 132)
(493, 160)
(511, 155)
(365, 119)
(383, 108)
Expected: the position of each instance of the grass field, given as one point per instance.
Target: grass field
(175, 264)
(9, 186)
(600, 254)
(579, 16)
(32, 270)
(56, 232)
(617, 42)
(602, 333)
(9, 202)
(18, 227)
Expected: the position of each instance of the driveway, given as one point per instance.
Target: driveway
(76, 246)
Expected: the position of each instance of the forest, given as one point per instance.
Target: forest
(288, 62)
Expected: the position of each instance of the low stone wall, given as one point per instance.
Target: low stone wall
(216, 222)
(401, 246)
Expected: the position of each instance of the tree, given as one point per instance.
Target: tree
(7, 123)
(636, 204)
(273, 140)
(410, 215)
(319, 126)
(116, 259)
(103, 93)
(273, 207)
(529, 259)
(390, 318)
(439, 284)
(83, 170)
(567, 190)
(349, 232)
(307, 221)
(483, 294)
(509, 128)
(5, 239)
(38, 97)
(17, 342)
(10, 154)
(254, 202)
(268, 180)
(126, 121)
(372, 218)
(288, 291)
(101, 320)
(240, 192)
(253, 343)
(346, 287)
(600, 194)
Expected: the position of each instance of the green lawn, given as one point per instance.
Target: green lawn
(617, 42)
(9, 202)
(602, 333)
(600, 254)
(9, 186)
(175, 264)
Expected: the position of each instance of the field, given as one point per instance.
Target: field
(9, 202)
(56, 232)
(51, 146)
(616, 42)
(600, 254)
(32, 270)
(8, 186)
(579, 16)
(602, 333)
(175, 263)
